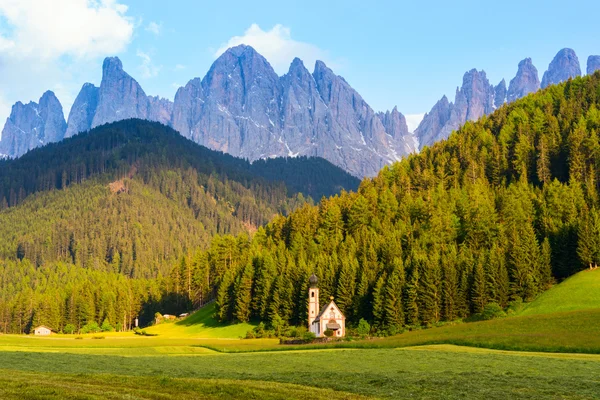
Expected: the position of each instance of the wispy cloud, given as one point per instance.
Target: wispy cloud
(278, 47)
(53, 44)
(147, 68)
(155, 28)
(179, 67)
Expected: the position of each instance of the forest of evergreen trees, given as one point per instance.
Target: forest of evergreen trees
(497, 213)
(130, 199)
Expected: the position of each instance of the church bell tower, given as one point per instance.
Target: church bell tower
(313, 300)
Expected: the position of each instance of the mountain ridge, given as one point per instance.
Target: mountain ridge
(242, 107)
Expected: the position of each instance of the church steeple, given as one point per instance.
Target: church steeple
(313, 299)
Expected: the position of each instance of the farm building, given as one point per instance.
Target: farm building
(42, 331)
(330, 317)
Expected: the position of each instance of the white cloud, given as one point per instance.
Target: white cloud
(81, 28)
(413, 121)
(179, 67)
(154, 28)
(56, 45)
(278, 47)
(147, 68)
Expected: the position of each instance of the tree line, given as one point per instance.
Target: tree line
(495, 214)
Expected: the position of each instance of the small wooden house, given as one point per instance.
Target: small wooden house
(42, 331)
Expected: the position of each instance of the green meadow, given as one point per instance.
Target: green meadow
(535, 354)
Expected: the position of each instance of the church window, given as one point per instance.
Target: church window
(312, 294)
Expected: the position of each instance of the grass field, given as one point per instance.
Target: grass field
(201, 324)
(441, 371)
(201, 359)
(579, 292)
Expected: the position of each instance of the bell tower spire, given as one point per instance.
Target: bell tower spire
(313, 300)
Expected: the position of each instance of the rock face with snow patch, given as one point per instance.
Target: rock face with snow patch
(593, 64)
(243, 108)
(83, 110)
(395, 125)
(565, 65)
(500, 94)
(526, 81)
(474, 99)
(32, 125)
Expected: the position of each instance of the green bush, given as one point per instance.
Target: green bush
(308, 336)
(363, 328)
(491, 311)
(107, 327)
(91, 327)
(515, 307)
(329, 333)
(69, 329)
(142, 332)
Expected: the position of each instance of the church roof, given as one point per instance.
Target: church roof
(327, 307)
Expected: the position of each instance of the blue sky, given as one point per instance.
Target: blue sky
(407, 54)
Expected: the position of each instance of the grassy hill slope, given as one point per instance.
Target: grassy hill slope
(579, 292)
(201, 324)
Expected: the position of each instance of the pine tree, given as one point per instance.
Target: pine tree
(394, 311)
(411, 293)
(243, 294)
(378, 301)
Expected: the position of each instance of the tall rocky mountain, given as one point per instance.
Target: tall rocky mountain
(565, 65)
(526, 81)
(593, 64)
(83, 110)
(32, 125)
(244, 108)
(474, 99)
(118, 97)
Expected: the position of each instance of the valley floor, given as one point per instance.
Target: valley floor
(153, 368)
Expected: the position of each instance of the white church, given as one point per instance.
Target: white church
(327, 318)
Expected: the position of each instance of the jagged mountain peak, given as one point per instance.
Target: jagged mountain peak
(525, 81)
(112, 64)
(565, 65)
(32, 125)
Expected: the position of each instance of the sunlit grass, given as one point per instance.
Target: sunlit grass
(201, 324)
(579, 292)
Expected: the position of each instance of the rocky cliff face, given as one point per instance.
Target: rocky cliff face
(430, 128)
(593, 64)
(395, 125)
(83, 110)
(500, 94)
(565, 65)
(243, 108)
(32, 125)
(160, 110)
(526, 81)
(474, 99)
(120, 96)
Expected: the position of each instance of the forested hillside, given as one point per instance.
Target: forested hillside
(496, 213)
(132, 196)
(130, 199)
